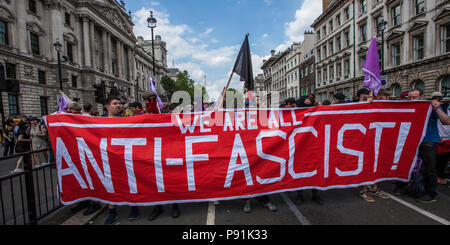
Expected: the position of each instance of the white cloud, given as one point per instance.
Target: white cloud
(194, 70)
(304, 17)
(265, 35)
(182, 41)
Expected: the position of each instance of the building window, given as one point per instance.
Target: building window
(338, 42)
(44, 105)
(331, 26)
(444, 85)
(419, 46)
(419, 84)
(10, 71)
(74, 81)
(41, 77)
(13, 104)
(318, 35)
(4, 33)
(67, 19)
(34, 40)
(32, 6)
(363, 6)
(325, 51)
(419, 6)
(396, 19)
(396, 89)
(331, 72)
(338, 19)
(347, 13)
(339, 70)
(396, 61)
(331, 47)
(324, 30)
(346, 69)
(69, 47)
(445, 38)
(347, 39)
(363, 30)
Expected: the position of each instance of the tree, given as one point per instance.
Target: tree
(182, 83)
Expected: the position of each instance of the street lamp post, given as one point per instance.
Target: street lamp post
(152, 24)
(58, 47)
(382, 26)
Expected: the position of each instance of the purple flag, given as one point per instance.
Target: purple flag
(63, 102)
(371, 67)
(152, 85)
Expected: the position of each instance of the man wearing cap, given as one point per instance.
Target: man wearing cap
(151, 105)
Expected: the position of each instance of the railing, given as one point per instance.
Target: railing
(28, 196)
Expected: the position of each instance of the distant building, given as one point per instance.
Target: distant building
(97, 40)
(416, 45)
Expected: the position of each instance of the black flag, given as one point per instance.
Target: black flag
(243, 66)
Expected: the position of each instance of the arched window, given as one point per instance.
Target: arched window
(444, 85)
(418, 84)
(396, 89)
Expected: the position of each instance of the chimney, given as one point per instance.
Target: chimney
(325, 4)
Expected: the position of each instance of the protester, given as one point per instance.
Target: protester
(290, 103)
(443, 148)
(308, 102)
(338, 98)
(326, 102)
(151, 105)
(38, 141)
(404, 96)
(74, 108)
(88, 109)
(23, 144)
(136, 109)
(114, 108)
(9, 140)
(383, 94)
(363, 94)
(428, 148)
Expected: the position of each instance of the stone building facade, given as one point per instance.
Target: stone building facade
(415, 45)
(307, 82)
(98, 44)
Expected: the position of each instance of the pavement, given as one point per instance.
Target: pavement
(341, 207)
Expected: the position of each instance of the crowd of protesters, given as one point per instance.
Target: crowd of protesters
(25, 134)
(30, 133)
(434, 150)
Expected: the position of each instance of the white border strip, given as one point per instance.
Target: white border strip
(320, 113)
(138, 125)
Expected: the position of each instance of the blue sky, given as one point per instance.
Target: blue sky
(204, 36)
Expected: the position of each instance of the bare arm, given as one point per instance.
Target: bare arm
(444, 118)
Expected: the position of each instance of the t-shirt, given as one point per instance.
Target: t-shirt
(432, 135)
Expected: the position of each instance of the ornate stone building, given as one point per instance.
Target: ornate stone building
(416, 41)
(98, 44)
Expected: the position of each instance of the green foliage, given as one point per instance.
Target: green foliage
(183, 83)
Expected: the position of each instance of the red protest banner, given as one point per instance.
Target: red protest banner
(173, 158)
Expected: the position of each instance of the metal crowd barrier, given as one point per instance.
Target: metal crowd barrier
(28, 196)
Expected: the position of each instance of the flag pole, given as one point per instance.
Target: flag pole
(231, 75)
